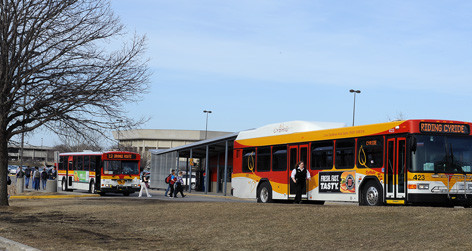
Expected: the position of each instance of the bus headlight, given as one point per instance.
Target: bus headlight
(423, 186)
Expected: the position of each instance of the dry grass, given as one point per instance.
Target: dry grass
(127, 224)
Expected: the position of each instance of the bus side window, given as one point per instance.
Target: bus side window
(76, 163)
(344, 154)
(279, 158)
(249, 159)
(322, 155)
(94, 163)
(62, 160)
(86, 163)
(370, 152)
(263, 159)
(80, 163)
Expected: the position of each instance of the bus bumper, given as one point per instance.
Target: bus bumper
(441, 199)
(118, 189)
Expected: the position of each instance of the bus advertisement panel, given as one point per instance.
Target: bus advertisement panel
(99, 172)
(400, 162)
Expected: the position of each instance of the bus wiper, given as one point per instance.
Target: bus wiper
(459, 167)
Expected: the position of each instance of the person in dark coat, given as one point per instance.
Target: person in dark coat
(44, 178)
(299, 176)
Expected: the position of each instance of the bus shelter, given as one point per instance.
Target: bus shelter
(207, 164)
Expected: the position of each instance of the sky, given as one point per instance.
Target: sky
(254, 63)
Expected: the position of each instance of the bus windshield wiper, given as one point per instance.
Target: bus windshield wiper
(459, 167)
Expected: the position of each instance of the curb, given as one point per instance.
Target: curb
(13, 245)
(22, 197)
(218, 196)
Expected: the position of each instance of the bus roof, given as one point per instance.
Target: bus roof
(265, 136)
(82, 153)
(94, 153)
(287, 128)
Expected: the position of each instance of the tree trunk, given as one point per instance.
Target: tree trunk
(3, 169)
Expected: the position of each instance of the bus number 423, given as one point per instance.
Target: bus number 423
(419, 177)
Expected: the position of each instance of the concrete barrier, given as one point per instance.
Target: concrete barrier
(20, 185)
(51, 186)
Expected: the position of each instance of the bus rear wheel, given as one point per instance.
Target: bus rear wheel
(92, 187)
(372, 194)
(264, 193)
(64, 185)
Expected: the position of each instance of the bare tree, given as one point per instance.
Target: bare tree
(397, 117)
(71, 141)
(58, 72)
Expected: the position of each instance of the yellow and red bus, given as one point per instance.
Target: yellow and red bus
(400, 162)
(99, 172)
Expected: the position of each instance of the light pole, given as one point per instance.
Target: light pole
(118, 127)
(206, 126)
(354, 109)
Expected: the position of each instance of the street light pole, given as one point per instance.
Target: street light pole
(118, 127)
(354, 107)
(206, 126)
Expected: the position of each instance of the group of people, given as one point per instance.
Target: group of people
(299, 175)
(175, 184)
(38, 178)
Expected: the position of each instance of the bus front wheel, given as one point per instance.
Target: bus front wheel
(264, 193)
(372, 194)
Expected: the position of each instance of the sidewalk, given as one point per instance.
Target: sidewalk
(197, 196)
(30, 193)
(9, 245)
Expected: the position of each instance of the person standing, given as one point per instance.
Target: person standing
(52, 175)
(170, 181)
(178, 185)
(36, 178)
(27, 177)
(299, 176)
(44, 178)
(20, 173)
(144, 181)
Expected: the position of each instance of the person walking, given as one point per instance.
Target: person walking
(27, 177)
(178, 185)
(299, 176)
(144, 181)
(44, 178)
(8, 183)
(36, 178)
(170, 181)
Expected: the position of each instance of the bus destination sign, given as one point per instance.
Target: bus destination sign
(121, 156)
(444, 128)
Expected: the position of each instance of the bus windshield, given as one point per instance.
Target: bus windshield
(116, 167)
(442, 154)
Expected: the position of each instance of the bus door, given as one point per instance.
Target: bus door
(296, 154)
(395, 174)
(69, 168)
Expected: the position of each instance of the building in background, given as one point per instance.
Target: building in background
(32, 155)
(143, 140)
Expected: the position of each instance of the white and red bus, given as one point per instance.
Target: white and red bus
(400, 162)
(99, 172)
